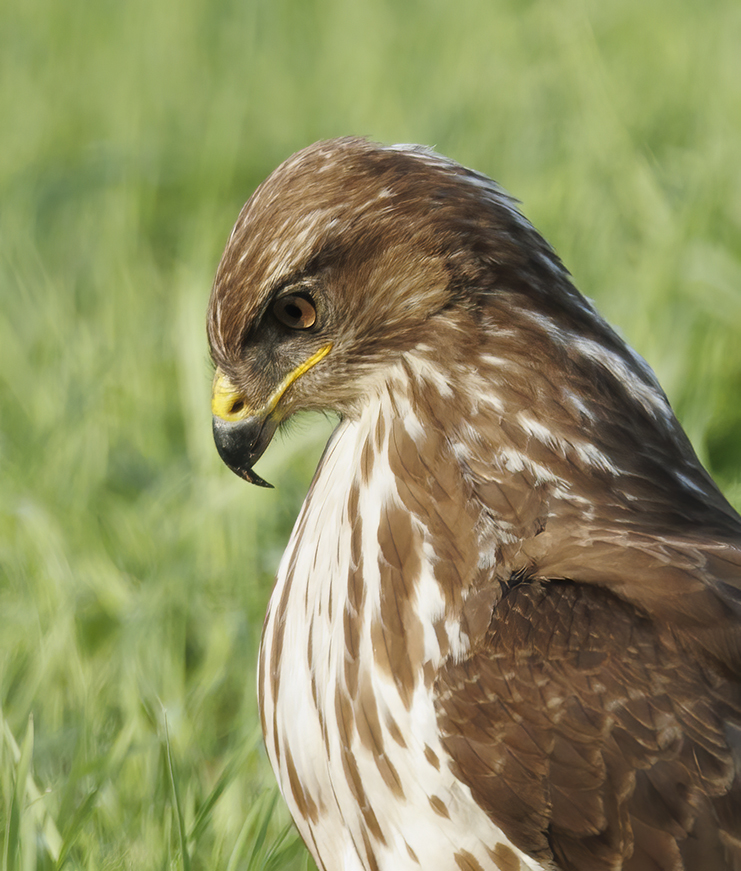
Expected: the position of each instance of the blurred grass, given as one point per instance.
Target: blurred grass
(135, 569)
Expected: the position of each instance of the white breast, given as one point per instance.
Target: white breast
(364, 773)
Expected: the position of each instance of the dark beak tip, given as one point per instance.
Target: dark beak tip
(241, 444)
(249, 474)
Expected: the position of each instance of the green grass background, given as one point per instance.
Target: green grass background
(134, 568)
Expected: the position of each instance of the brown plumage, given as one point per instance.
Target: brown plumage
(505, 633)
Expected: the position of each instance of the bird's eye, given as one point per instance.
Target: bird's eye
(295, 311)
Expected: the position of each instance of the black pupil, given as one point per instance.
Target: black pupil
(293, 312)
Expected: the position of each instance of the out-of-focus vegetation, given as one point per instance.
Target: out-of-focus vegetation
(134, 568)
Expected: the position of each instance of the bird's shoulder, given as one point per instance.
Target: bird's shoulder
(592, 736)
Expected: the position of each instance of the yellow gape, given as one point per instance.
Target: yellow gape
(228, 403)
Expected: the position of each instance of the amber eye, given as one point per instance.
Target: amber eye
(294, 311)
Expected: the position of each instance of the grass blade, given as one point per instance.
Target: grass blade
(176, 801)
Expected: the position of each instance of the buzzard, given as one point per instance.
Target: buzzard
(505, 633)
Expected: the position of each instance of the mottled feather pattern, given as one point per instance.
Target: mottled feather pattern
(607, 732)
(505, 633)
(383, 646)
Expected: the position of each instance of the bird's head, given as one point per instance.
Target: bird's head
(346, 257)
(351, 255)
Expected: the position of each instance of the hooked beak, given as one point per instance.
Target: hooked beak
(241, 443)
(243, 434)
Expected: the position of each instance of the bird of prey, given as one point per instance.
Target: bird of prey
(505, 633)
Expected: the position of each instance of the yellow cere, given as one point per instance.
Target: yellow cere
(228, 404)
(226, 401)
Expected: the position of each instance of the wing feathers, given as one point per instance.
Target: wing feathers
(591, 737)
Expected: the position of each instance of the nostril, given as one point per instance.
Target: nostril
(237, 406)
